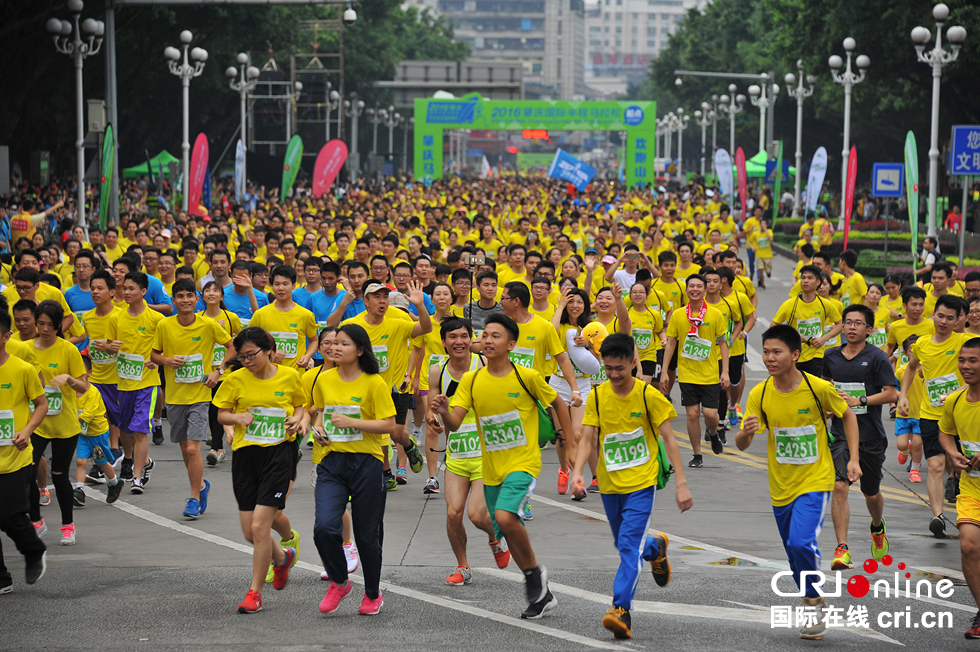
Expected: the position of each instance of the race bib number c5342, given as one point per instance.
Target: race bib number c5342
(503, 431)
(939, 388)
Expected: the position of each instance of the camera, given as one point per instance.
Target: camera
(349, 16)
(474, 260)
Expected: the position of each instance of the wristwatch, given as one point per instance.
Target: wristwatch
(863, 400)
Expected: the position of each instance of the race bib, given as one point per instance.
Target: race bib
(7, 427)
(624, 450)
(854, 390)
(437, 358)
(902, 358)
(846, 299)
(381, 353)
(218, 355)
(797, 445)
(341, 435)
(939, 388)
(503, 431)
(522, 357)
(970, 448)
(55, 400)
(320, 325)
(288, 343)
(268, 426)
(477, 334)
(809, 328)
(464, 444)
(878, 338)
(643, 337)
(696, 348)
(192, 371)
(763, 243)
(600, 376)
(100, 357)
(129, 366)
(834, 341)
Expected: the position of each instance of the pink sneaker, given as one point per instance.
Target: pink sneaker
(334, 595)
(371, 607)
(903, 457)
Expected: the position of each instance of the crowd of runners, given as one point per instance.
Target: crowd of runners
(384, 330)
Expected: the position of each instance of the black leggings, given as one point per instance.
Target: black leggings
(62, 451)
(14, 505)
(217, 432)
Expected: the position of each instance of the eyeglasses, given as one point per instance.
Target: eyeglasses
(246, 357)
(858, 324)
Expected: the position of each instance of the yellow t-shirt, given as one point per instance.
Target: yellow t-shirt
(893, 304)
(92, 419)
(810, 319)
(292, 330)
(20, 385)
(673, 292)
(44, 292)
(23, 350)
(735, 307)
(390, 342)
(762, 242)
(900, 330)
(940, 371)
(744, 285)
(185, 385)
(915, 392)
(537, 346)
(647, 326)
(367, 397)
(103, 364)
(270, 401)
(879, 336)
(852, 290)
(626, 464)
(232, 324)
(507, 419)
(799, 460)
(835, 277)
(959, 418)
(697, 358)
(62, 357)
(434, 353)
(682, 274)
(137, 335)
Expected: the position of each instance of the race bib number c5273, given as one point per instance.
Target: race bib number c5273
(625, 450)
(939, 388)
(797, 445)
(503, 431)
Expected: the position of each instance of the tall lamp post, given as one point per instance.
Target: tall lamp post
(243, 79)
(848, 80)
(391, 120)
(731, 105)
(668, 131)
(407, 128)
(375, 117)
(78, 48)
(333, 103)
(353, 108)
(186, 71)
(758, 96)
(800, 93)
(704, 117)
(680, 124)
(937, 58)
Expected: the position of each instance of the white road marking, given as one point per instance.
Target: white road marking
(531, 626)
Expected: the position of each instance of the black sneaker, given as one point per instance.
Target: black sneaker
(126, 470)
(536, 584)
(157, 435)
(114, 491)
(137, 486)
(717, 447)
(95, 476)
(537, 609)
(146, 471)
(723, 436)
(35, 568)
(950, 494)
(7, 584)
(78, 497)
(659, 564)
(707, 437)
(696, 462)
(938, 527)
(617, 620)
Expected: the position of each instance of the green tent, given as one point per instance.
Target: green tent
(164, 158)
(755, 167)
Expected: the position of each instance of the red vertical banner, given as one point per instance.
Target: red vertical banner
(328, 163)
(852, 168)
(199, 168)
(743, 179)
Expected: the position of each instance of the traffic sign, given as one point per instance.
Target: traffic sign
(887, 179)
(965, 154)
(771, 172)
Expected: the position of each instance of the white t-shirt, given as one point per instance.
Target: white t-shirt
(625, 279)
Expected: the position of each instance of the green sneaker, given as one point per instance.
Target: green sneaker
(879, 542)
(415, 459)
(270, 575)
(390, 483)
(292, 543)
(842, 558)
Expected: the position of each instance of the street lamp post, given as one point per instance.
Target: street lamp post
(937, 58)
(243, 79)
(333, 103)
(714, 125)
(405, 129)
(800, 93)
(392, 120)
(848, 80)
(668, 131)
(353, 108)
(680, 124)
(704, 117)
(375, 117)
(758, 96)
(186, 71)
(78, 49)
(732, 105)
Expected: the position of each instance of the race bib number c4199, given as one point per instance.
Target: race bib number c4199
(854, 390)
(797, 445)
(129, 366)
(341, 435)
(288, 343)
(464, 444)
(522, 356)
(268, 426)
(624, 450)
(192, 371)
(696, 348)
(939, 388)
(503, 431)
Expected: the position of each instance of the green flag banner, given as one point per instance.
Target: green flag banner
(778, 184)
(106, 176)
(290, 166)
(912, 191)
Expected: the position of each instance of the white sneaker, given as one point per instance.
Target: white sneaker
(350, 552)
(68, 535)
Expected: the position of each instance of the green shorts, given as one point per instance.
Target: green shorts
(510, 496)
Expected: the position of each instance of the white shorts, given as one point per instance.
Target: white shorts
(561, 386)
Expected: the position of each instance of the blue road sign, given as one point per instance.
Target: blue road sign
(771, 172)
(887, 179)
(965, 154)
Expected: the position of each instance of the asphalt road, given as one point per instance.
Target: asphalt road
(143, 578)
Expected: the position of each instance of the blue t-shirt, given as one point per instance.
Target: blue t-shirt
(241, 306)
(303, 297)
(429, 306)
(322, 305)
(80, 302)
(355, 308)
(156, 293)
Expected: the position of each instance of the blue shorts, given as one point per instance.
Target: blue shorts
(137, 406)
(88, 443)
(905, 426)
(110, 396)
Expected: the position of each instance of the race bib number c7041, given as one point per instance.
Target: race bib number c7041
(464, 444)
(797, 445)
(503, 431)
(268, 426)
(625, 450)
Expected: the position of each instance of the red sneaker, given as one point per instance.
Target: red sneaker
(903, 457)
(500, 554)
(251, 603)
(280, 574)
(371, 607)
(562, 482)
(335, 594)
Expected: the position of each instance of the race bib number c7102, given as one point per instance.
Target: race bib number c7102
(268, 426)
(503, 431)
(129, 366)
(464, 444)
(939, 388)
(625, 450)
(797, 445)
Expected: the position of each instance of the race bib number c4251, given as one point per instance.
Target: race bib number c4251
(129, 366)
(268, 426)
(464, 444)
(696, 348)
(288, 343)
(797, 445)
(341, 435)
(624, 450)
(503, 431)
(939, 388)
(192, 371)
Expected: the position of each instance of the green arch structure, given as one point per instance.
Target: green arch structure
(637, 119)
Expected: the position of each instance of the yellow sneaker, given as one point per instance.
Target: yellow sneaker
(292, 543)
(842, 558)
(879, 543)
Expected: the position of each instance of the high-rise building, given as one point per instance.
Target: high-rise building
(546, 36)
(624, 36)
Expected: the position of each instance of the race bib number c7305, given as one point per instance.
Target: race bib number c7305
(288, 343)
(268, 426)
(625, 450)
(503, 431)
(797, 445)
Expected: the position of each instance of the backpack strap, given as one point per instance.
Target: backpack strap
(646, 408)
